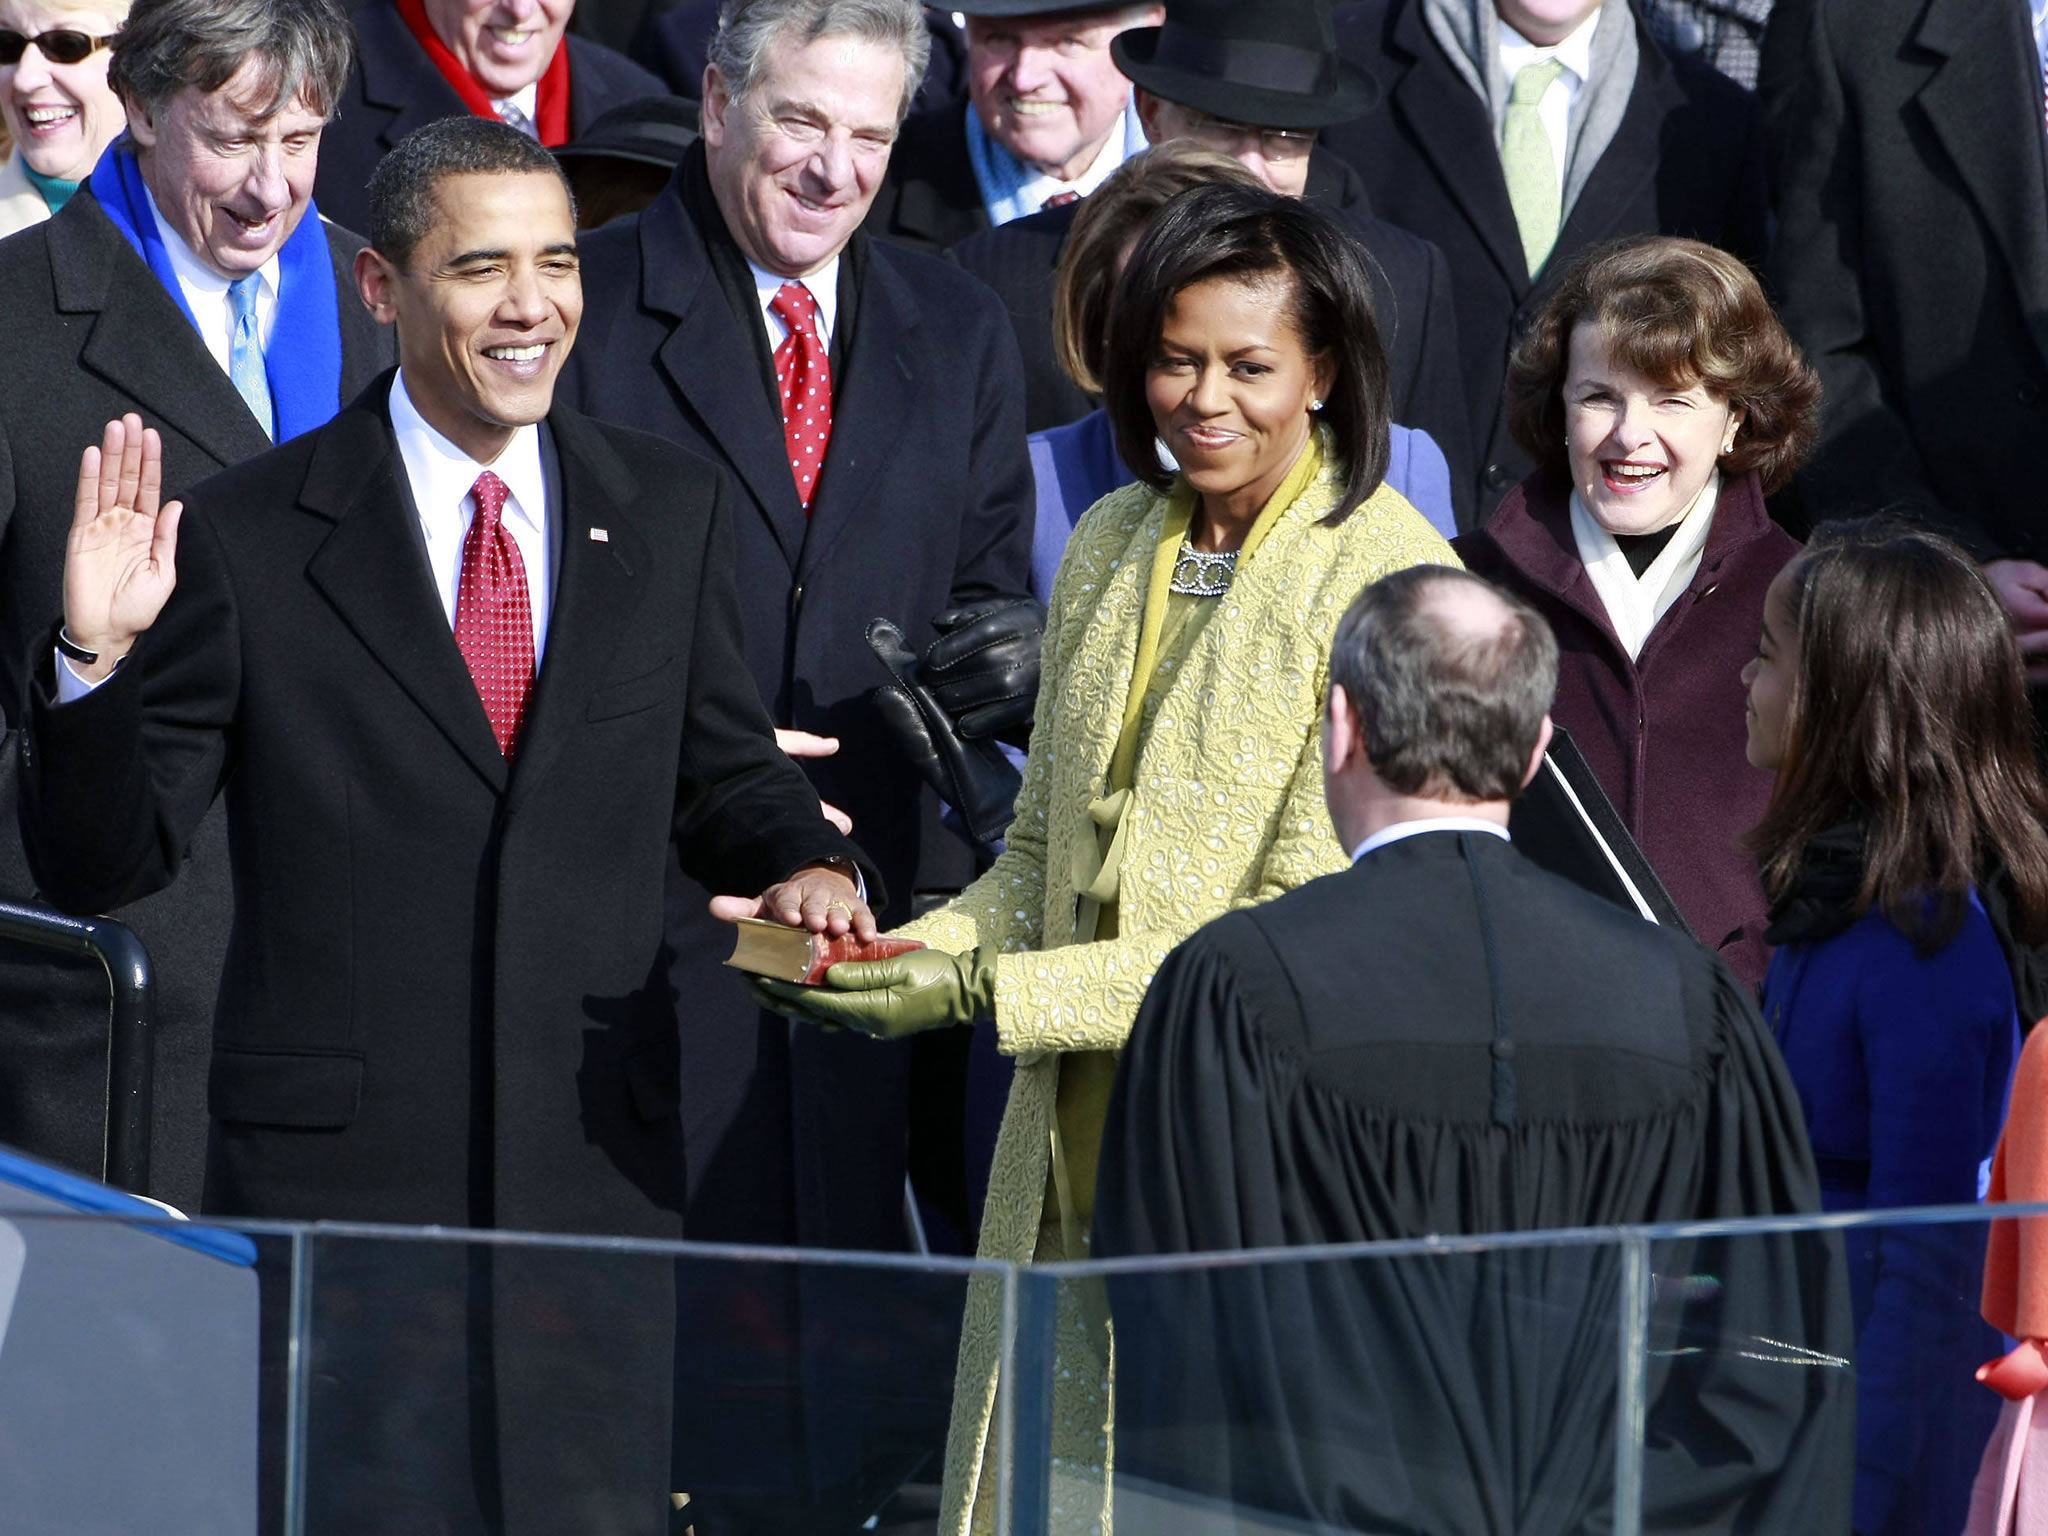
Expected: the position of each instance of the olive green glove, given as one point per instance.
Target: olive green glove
(925, 989)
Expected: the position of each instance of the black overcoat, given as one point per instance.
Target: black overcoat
(395, 88)
(91, 334)
(1912, 257)
(1687, 159)
(924, 502)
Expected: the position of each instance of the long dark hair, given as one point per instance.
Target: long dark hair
(1908, 714)
(1250, 233)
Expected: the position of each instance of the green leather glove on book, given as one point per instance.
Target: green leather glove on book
(926, 989)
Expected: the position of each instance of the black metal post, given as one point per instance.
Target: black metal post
(131, 1042)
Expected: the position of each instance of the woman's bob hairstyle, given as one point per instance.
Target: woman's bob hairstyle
(1254, 236)
(1681, 313)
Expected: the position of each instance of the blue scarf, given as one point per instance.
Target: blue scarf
(303, 360)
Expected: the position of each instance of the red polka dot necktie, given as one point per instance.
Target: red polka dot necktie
(494, 613)
(803, 372)
(1059, 200)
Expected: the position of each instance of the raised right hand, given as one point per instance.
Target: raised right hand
(120, 563)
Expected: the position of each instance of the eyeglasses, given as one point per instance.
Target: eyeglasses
(59, 47)
(1274, 143)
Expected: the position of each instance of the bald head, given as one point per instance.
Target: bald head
(1449, 680)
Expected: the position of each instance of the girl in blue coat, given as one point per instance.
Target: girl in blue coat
(1904, 854)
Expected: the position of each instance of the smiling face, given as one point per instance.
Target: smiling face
(486, 307)
(61, 116)
(795, 166)
(1230, 386)
(1546, 22)
(229, 180)
(505, 45)
(1769, 676)
(1639, 451)
(1046, 88)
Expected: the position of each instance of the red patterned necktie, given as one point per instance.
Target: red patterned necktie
(494, 614)
(1059, 200)
(803, 372)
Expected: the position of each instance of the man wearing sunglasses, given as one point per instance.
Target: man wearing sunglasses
(190, 282)
(55, 103)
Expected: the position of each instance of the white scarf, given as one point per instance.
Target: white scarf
(1635, 603)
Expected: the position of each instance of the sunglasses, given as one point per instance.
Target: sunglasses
(60, 47)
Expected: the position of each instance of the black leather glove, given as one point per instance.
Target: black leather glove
(971, 776)
(983, 668)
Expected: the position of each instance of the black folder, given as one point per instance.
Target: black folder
(1564, 822)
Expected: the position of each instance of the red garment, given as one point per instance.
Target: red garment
(494, 614)
(551, 99)
(1665, 733)
(803, 373)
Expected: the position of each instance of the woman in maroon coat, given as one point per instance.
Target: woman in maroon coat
(1661, 401)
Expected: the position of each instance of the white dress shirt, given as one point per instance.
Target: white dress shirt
(442, 475)
(1039, 185)
(526, 102)
(1575, 53)
(824, 286)
(206, 292)
(1401, 829)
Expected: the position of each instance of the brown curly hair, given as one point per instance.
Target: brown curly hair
(1683, 313)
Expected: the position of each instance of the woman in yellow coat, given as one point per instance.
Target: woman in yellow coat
(1176, 767)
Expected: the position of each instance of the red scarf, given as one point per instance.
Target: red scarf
(551, 104)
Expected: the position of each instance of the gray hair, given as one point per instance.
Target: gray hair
(402, 207)
(747, 27)
(305, 49)
(1445, 711)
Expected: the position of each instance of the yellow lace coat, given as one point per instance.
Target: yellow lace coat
(1226, 810)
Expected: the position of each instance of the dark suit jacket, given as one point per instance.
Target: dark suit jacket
(924, 502)
(91, 334)
(1411, 293)
(1912, 257)
(395, 88)
(1687, 159)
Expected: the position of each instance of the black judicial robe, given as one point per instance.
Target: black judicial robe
(1447, 1040)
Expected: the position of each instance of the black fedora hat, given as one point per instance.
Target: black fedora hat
(654, 130)
(1269, 64)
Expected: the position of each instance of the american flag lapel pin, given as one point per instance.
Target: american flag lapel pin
(600, 536)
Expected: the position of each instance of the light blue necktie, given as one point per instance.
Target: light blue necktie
(245, 353)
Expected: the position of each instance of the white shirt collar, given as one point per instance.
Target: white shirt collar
(1575, 52)
(526, 99)
(206, 291)
(442, 476)
(1401, 829)
(1037, 185)
(824, 286)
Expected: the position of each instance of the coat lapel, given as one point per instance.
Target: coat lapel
(598, 590)
(1630, 160)
(710, 362)
(1450, 125)
(140, 341)
(1986, 58)
(868, 405)
(372, 571)
(398, 75)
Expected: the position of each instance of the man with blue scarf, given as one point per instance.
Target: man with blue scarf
(193, 283)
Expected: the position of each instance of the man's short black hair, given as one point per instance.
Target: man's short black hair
(1445, 711)
(402, 187)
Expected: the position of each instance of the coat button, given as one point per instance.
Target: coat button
(1499, 477)
(1688, 36)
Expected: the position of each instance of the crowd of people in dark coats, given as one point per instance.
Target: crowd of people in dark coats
(1710, 333)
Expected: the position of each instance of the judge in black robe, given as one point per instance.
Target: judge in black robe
(1445, 1039)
